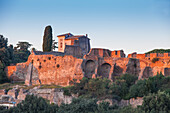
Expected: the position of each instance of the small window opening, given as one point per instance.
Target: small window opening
(58, 65)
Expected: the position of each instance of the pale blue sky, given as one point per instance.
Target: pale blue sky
(131, 25)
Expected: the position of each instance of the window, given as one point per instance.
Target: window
(115, 52)
(61, 45)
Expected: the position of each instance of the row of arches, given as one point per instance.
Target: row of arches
(133, 67)
(90, 69)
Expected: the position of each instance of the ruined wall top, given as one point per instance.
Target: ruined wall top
(149, 56)
(100, 52)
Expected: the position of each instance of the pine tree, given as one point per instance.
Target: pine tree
(47, 39)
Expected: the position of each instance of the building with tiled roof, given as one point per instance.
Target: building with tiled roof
(77, 41)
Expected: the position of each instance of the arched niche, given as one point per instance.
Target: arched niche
(147, 72)
(104, 70)
(89, 68)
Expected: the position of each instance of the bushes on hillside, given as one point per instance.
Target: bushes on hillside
(33, 104)
(154, 90)
(153, 103)
(104, 88)
(152, 85)
(90, 88)
(129, 79)
(124, 87)
(156, 103)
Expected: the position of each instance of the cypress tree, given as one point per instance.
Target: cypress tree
(47, 39)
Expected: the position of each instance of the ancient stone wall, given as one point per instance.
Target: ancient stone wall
(17, 73)
(133, 102)
(109, 67)
(149, 56)
(117, 54)
(60, 70)
(10, 70)
(75, 51)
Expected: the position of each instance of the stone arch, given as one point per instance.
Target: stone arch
(117, 71)
(104, 70)
(144, 61)
(89, 68)
(133, 67)
(147, 72)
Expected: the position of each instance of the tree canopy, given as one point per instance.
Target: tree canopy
(23, 46)
(3, 41)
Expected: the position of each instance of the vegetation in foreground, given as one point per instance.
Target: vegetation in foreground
(154, 90)
(11, 55)
(124, 87)
(153, 103)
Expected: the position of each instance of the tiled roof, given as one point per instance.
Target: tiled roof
(65, 34)
(76, 36)
(48, 53)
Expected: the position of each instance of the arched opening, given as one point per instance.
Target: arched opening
(133, 67)
(104, 70)
(147, 72)
(117, 71)
(89, 68)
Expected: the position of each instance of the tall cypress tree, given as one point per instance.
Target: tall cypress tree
(47, 39)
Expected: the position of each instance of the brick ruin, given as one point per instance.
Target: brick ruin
(78, 61)
(149, 56)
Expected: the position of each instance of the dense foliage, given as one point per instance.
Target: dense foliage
(33, 104)
(10, 55)
(3, 41)
(104, 88)
(6, 56)
(47, 39)
(152, 85)
(21, 52)
(124, 87)
(159, 51)
(156, 103)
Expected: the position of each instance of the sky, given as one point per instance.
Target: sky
(132, 25)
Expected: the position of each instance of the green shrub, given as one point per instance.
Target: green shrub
(128, 109)
(33, 104)
(66, 91)
(156, 103)
(92, 88)
(152, 85)
(139, 89)
(129, 79)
